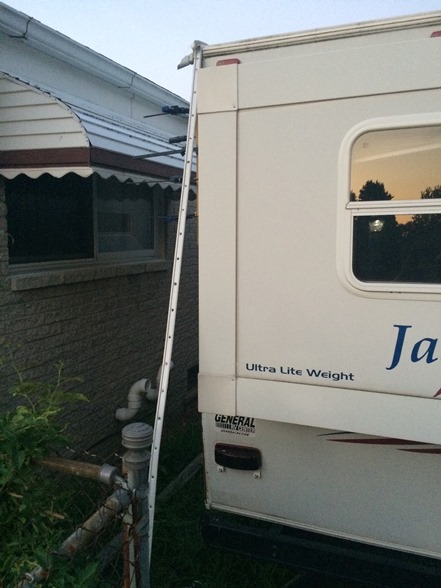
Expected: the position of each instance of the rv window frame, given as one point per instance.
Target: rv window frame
(348, 210)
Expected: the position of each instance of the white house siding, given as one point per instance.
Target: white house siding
(30, 119)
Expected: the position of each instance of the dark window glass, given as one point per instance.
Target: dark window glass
(49, 219)
(125, 217)
(394, 248)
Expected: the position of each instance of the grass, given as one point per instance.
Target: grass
(182, 560)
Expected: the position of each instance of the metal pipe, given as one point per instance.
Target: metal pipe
(81, 537)
(105, 473)
(137, 438)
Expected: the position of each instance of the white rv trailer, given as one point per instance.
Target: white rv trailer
(319, 166)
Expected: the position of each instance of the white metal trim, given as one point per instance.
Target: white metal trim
(325, 34)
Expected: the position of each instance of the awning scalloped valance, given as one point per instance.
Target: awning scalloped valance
(59, 172)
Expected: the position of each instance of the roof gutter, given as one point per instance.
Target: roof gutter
(21, 27)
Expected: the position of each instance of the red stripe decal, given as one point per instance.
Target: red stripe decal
(436, 451)
(378, 441)
(386, 441)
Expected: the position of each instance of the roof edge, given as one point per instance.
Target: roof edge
(19, 26)
(324, 34)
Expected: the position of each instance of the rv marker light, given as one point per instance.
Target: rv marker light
(232, 61)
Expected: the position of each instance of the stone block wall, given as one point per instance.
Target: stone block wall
(107, 327)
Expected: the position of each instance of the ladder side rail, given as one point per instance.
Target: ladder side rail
(174, 293)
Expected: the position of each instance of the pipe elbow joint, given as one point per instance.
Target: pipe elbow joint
(152, 394)
(125, 414)
(134, 400)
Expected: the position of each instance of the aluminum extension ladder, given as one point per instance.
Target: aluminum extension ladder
(194, 58)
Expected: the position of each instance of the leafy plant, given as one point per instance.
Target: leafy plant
(31, 502)
(29, 431)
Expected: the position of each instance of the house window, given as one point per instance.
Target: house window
(73, 218)
(49, 219)
(125, 218)
(394, 208)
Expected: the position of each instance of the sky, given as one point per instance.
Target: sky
(151, 37)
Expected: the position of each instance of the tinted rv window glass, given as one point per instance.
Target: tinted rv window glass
(395, 206)
(396, 248)
(404, 161)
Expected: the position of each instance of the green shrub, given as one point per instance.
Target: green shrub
(31, 502)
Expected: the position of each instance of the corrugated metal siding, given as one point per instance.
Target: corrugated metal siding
(30, 119)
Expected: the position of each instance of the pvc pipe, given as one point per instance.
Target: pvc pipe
(133, 400)
(152, 393)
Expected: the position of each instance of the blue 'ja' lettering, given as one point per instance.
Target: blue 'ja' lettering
(423, 349)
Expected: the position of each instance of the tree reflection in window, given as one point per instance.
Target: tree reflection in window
(392, 248)
(421, 245)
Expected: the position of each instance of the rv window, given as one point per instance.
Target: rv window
(395, 206)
